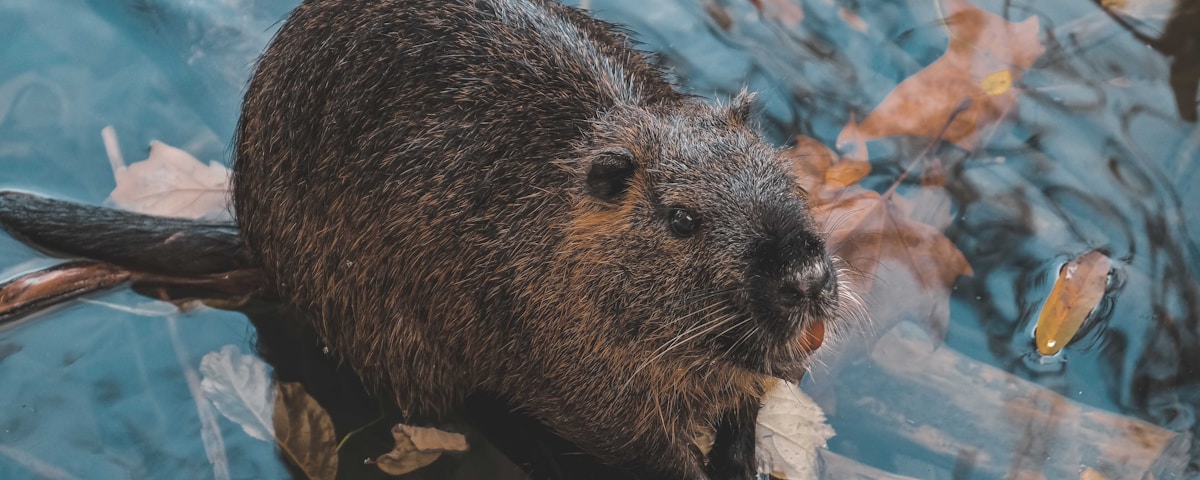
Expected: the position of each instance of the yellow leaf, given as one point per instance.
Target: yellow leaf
(997, 83)
(1078, 290)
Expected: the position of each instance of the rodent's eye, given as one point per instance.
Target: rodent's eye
(683, 222)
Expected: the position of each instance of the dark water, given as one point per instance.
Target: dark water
(1101, 152)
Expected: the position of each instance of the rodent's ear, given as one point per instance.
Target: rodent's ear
(741, 107)
(608, 174)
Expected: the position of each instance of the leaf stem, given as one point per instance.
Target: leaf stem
(345, 438)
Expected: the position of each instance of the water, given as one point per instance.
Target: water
(1095, 155)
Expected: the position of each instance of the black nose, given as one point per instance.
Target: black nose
(805, 283)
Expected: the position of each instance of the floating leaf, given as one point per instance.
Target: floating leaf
(883, 237)
(241, 389)
(1078, 290)
(169, 183)
(1090, 473)
(788, 12)
(985, 56)
(417, 447)
(791, 427)
(856, 22)
(304, 432)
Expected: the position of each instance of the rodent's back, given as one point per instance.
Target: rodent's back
(383, 141)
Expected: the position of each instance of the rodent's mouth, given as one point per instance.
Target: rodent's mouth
(811, 337)
(791, 361)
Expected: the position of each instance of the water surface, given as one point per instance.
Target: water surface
(1100, 152)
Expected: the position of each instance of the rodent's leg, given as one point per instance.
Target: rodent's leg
(732, 455)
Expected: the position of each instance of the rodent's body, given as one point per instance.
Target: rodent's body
(485, 195)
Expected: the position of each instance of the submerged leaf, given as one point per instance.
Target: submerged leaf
(241, 389)
(787, 12)
(1079, 288)
(304, 432)
(885, 237)
(985, 56)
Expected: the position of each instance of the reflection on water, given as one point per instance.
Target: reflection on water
(1100, 152)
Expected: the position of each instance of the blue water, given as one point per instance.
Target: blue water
(1095, 156)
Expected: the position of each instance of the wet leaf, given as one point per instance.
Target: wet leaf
(791, 427)
(856, 22)
(434, 440)
(902, 262)
(169, 183)
(1075, 294)
(787, 12)
(1144, 10)
(417, 447)
(985, 57)
(304, 432)
(241, 389)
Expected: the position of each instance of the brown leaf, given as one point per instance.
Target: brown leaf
(169, 183)
(1079, 288)
(986, 56)
(1090, 473)
(903, 263)
(788, 12)
(856, 22)
(417, 447)
(304, 432)
(434, 440)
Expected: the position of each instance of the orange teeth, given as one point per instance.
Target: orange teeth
(812, 336)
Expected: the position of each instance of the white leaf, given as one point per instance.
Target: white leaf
(170, 183)
(791, 427)
(242, 390)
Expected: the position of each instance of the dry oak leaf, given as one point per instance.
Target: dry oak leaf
(985, 57)
(1079, 288)
(169, 183)
(417, 447)
(900, 260)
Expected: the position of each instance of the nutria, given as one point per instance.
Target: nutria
(504, 196)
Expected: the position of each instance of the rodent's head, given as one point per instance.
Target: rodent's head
(693, 237)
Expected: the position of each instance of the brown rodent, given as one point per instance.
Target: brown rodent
(504, 196)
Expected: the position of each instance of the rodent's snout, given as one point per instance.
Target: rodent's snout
(806, 284)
